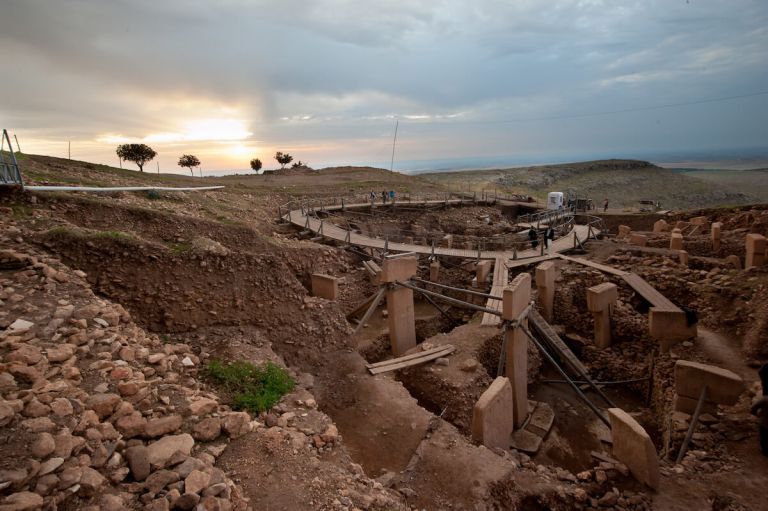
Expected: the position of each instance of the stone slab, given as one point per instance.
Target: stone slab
(683, 258)
(676, 241)
(633, 447)
(601, 296)
(434, 271)
(669, 327)
(492, 416)
(482, 270)
(639, 240)
(688, 405)
(756, 244)
(723, 386)
(400, 268)
(660, 225)
(525, 441)
(325, 286)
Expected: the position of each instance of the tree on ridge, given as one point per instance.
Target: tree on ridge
(256, 164)
(283, 159)
(189, 161)
(139, 154)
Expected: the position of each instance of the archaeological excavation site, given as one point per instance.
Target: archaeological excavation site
(296, 342)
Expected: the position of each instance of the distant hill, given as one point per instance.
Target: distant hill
(623, 182)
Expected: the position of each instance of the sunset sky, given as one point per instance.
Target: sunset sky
(326, 80)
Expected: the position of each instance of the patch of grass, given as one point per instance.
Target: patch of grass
(115, 235)
(255, 389)
(179, 248)
(21, 211)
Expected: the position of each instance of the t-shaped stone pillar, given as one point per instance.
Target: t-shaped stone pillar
(545, 283)
(755, 251)
(600, 298)
(715, 232)
(402, 320)
(515, 299)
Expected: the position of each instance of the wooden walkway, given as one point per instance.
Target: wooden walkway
(500, 281)
(329, 230)
(635, 281)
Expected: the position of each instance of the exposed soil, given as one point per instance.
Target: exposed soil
(213, 276)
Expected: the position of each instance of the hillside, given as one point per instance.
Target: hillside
(623, 182)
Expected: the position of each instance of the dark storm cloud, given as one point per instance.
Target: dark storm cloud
(318, 69)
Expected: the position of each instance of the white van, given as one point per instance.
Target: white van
(555, 200)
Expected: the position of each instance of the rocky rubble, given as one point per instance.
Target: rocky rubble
(97, 414)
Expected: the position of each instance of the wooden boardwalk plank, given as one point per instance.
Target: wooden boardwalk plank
(649, 292)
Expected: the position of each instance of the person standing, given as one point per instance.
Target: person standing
(392, 196)
(605, 205)
(373, 197)
(549, 238)
(384, 197)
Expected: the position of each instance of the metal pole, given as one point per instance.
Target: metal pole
(18, 147)
(451, 300)
(392, 162)
(460, 290)
(565, 375)
(367, 315)
(692, 427)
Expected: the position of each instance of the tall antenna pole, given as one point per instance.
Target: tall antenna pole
(69, 149)
(158, 167)
(394, 141)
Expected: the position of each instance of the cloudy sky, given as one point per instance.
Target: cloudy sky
(326, 80)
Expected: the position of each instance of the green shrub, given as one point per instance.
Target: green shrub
(252, 388)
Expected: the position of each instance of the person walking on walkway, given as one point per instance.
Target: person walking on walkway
(533, 237)
(605, 205)
(384, 197)
(549, 238)
(373, 197)
(392, 196)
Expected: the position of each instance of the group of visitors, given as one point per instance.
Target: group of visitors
(549, 237)
(385, 196)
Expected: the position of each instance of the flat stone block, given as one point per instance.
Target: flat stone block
(325, 286)
(601, 296)
(688, 405)
(492, 420)
(399, 268)
(660, 226)
(633, 447)
(669, 327)
(526, 441)
(639, 240)
(700, 220)
(516, 297)
(723, 386)
(624, 231)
